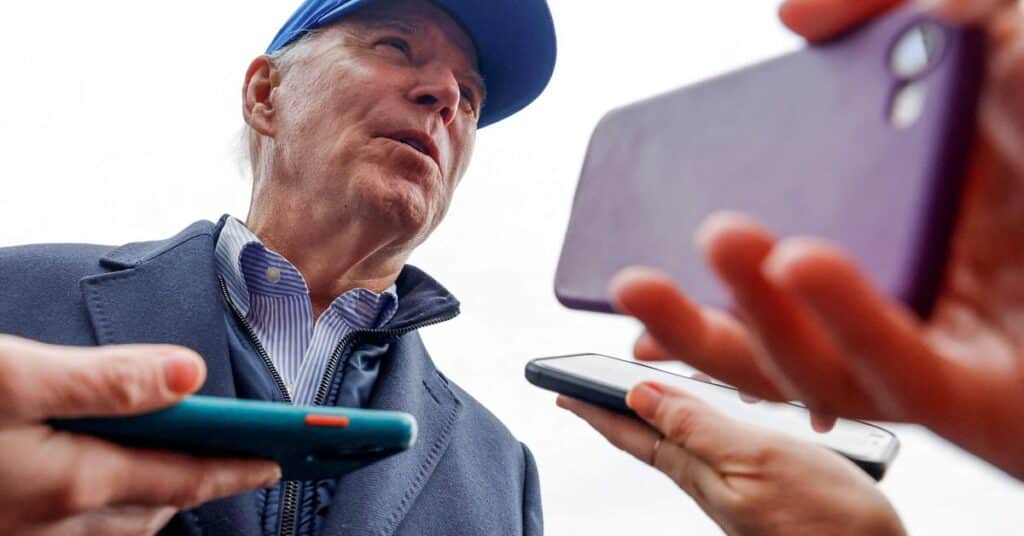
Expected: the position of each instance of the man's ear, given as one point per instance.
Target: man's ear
(261, 79)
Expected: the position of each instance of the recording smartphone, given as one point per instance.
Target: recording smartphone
(308, 442)
(862, 141)
(604, 381)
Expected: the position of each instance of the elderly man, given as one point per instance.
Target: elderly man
(362, 119)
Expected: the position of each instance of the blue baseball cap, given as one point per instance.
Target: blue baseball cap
(515, 44)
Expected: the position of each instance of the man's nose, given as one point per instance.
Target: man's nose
(440, 94)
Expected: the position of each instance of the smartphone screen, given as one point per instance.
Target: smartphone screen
(854, 439)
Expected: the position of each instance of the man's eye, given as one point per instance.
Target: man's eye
(467, 99)
(398, 44)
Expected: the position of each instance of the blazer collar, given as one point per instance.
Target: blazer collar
(167, 292)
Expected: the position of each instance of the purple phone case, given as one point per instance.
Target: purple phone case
(804, 144)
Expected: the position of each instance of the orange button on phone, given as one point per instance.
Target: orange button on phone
(337, 421)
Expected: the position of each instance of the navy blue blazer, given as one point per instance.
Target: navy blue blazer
(466, 474)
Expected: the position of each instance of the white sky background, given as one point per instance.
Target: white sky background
(120, 119)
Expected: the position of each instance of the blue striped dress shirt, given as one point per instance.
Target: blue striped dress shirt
(271, 294)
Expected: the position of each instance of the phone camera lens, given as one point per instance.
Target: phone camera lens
(917, 50)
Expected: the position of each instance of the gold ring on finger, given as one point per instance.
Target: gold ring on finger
(657, 446)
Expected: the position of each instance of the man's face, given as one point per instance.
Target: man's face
(376, 120)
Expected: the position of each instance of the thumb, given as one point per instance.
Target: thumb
(40, 381)
(690, 423)
(820, 20)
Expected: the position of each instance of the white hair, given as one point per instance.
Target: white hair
(249, 141)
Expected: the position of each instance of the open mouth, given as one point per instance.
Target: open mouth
(419, 141)
(415, 145)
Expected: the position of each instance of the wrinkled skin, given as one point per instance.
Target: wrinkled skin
(336, 190)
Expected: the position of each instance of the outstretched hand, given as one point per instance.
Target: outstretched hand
(814, 329)
(56, 482)
(748, 480)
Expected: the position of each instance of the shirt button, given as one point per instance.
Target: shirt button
(291, 389)
(273, 274)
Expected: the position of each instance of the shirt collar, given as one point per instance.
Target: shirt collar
(248, 267)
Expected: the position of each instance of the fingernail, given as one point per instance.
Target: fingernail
(620, 279)
(789, 254)
(273, 477)
(644, 400)
(822, 423)
(749, 399)
(700, 376)
(181, 371)
(714, 223)
(779, 260)
(706, 231)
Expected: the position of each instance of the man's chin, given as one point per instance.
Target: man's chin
(405, 208)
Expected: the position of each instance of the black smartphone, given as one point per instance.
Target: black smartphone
(604, 381)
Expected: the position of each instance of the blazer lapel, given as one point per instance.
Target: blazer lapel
(167, 292)
(375, 499)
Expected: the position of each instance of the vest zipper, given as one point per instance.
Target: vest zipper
(291, 487)
(332, 363)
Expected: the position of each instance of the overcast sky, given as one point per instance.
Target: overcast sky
(120, 122)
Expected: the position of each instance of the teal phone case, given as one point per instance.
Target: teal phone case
(309, 442)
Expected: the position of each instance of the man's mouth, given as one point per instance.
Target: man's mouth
(415, 145)
(420, 141)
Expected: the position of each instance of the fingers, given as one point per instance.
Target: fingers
(711, 341)
(85, 474)
(40, 381)
(819, 20)
(968, 12)
(881, 342)
(1001, 113)
(1005, 25)
(626, 433)
(700, 444)
(113, 521)
(822, 423)
(688, 422)
(157, 478)
(799, 356)
(692, 474)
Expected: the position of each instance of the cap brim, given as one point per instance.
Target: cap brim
(515, 42)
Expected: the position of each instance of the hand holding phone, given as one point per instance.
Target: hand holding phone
(814, 313)
(604, 381)
(309, 443)
(55, 482)
(747, 479)
(862, 141)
